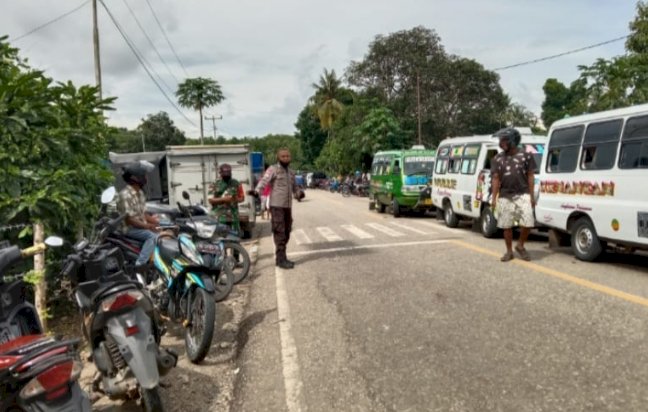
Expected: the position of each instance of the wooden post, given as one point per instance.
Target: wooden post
(39, 267)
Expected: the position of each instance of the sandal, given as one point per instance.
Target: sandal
(507, 256)
(523, 253)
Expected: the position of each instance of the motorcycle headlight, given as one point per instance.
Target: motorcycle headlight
(205, 231)
(188, 249)
(165, 218)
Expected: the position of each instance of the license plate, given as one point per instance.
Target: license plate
(208, 248)
(427, 201)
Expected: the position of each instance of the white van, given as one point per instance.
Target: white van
(594, 180)
(461, 184)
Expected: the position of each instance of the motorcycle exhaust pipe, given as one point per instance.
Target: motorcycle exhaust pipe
(166, 359)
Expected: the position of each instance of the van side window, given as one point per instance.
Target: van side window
(600, 145)
(564, 147)
(470, 156)
(634, 144)
(375, 167)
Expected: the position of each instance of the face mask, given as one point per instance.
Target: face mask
(285, 165)
(226, 178)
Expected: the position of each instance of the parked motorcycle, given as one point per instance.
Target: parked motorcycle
(119, 319)
(37, 372)
(184, 291)
(209, 229)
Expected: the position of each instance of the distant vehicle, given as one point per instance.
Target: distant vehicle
(314, 179)
(397, 179)
(593, 181)
(461, 184)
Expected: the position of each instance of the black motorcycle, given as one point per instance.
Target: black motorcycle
(37, 372)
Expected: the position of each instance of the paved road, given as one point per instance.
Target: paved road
(405, 314)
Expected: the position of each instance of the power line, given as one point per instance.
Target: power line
(54, 20)
(562, 54)
(166, 37)
(150, 42)
(140, 60)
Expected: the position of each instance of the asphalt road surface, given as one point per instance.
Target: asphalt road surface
(386, 314)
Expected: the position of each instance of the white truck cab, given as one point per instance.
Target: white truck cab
(461, 184)
(594, 181)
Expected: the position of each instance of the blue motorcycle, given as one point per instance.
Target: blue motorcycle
(184, 291)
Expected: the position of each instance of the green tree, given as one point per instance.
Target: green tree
(310, 133)
(327, 92)
(517, 114)
(198, 93)
(269, 145)
(122, 140)
(457, 95)
(54, 143)
(158, 131)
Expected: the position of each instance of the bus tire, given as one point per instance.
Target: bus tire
(379, 206)
(449, 216)
(396, 210)
(586, 244)
(488, 223)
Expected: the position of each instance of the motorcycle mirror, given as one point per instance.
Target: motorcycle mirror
(185, 195)
(54, 241)
(108, 195)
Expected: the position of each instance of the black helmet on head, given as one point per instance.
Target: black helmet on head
(511, 134)
(135, 172)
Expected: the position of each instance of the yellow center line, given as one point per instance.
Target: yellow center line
(560, 275)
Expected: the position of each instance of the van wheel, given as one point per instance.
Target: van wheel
(585, 242)
(488, 223)
(396, 208)
(450, 217)
(379, 206)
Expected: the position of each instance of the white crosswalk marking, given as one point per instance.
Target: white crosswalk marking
(357, 232)
(301, 237)
(411, 229)
(385, 230)
(328, 234)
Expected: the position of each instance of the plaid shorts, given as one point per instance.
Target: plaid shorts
(516, 211)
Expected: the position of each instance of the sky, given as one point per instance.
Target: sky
(266, 54)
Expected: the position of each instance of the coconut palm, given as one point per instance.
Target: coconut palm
(327, 93)
(198, 93)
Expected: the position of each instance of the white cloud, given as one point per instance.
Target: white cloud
(266, 54)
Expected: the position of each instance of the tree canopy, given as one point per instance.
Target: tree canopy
(198, 93)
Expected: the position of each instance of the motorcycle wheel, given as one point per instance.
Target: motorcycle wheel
(151, 400)
(198, 335)
(241, 259)
(223, 284)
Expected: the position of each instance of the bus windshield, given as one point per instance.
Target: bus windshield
(418, 165)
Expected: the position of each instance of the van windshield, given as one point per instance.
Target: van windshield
(419, 165)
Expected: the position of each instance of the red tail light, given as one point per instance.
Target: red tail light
(53, 382)
(132, 330)
(121, 301)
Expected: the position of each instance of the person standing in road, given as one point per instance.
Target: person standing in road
(513, 199)
(227, 194)
(282, 180)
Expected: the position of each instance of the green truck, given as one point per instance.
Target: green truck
(400, 180)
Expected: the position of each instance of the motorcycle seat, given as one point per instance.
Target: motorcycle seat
(169, 248)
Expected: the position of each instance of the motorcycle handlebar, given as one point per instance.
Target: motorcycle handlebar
(69, 268)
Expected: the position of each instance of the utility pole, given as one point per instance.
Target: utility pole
(95, 41)
(213, 119)
(418, 104)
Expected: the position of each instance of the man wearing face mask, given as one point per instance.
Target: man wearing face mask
(282, 180)
(131, 202)
(227, 194)
(513, 201)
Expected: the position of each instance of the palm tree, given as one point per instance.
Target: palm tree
(327, 92)
(198, 93)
